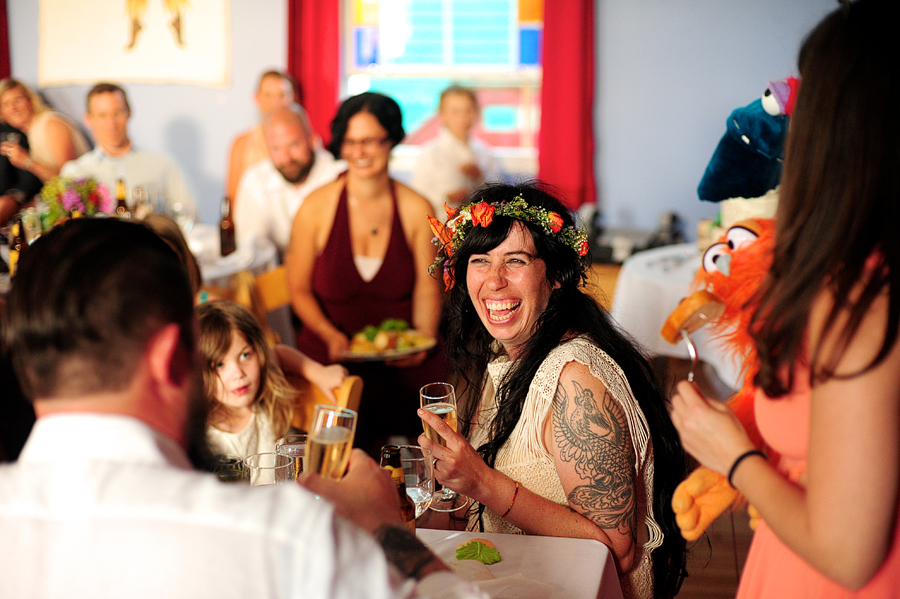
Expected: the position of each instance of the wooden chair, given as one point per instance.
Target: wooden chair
(347, 396)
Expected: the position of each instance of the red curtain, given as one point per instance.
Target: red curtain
(4, 42)
(314, 58)
(566, 144)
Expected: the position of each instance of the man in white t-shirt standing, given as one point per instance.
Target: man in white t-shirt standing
(271, 191)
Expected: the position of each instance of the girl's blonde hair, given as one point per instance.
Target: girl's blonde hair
(37, 104)
(218, 319)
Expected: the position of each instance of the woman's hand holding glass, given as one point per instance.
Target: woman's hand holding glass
(709, 430)
(457, 464)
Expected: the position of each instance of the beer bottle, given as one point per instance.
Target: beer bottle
(16, 244)
(226, 229)
(390, 460)
(121, 205)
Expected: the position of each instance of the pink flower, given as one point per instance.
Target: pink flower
(556, 221)
(106, 203)
(483, 214)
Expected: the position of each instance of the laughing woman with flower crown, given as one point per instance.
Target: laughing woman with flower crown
(564, 429)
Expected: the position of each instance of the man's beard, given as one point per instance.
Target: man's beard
(198, 450)
(295, 171)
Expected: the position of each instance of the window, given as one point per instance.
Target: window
(412, 49)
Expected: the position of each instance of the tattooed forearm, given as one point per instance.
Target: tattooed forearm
(408, 554)
(594, 437)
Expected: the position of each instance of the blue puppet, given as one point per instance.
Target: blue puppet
(747, 162)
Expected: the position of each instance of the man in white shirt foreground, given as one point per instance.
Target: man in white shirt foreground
(104, 503)
(114, 156)
(271, 191)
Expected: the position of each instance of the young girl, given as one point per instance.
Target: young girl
(251, 403)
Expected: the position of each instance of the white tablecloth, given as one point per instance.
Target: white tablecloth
(203, 240)
(547, 567)
(649, 287)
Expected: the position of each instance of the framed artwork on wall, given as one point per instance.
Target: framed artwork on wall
(143, 41)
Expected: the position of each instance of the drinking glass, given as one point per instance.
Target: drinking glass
(181, 215)
(230, 469)
(329, 441)
(294, 447)
(268, 468)
(440, 399)
(143, 206)
(418, 469)
(11, 137)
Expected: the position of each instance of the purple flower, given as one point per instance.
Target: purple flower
(71, 200)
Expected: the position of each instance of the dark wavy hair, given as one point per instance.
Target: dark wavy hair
(569, 311)
(384, 108)
(840, 196)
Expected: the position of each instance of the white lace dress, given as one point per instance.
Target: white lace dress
(524, 457)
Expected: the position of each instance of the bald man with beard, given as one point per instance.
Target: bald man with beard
(271, 191)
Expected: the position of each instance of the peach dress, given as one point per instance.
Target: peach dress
(772, 570)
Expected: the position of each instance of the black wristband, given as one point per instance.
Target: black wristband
(740, 459)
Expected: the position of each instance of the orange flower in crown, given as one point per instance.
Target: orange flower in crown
(556, 221)
(449, 237)
(483, 214)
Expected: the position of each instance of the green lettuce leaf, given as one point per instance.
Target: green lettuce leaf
(478, 551)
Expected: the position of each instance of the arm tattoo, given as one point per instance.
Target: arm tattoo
(596, 439)
(405, 551)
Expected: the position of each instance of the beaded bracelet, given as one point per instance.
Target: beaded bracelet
(740, 459)
(511, 503)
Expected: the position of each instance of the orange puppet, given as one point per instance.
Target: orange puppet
(725, 297)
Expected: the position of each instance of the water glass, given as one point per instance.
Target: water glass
(268, 468)
(294, 447)
(418, 469)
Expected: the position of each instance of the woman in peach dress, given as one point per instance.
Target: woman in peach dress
(826, 331)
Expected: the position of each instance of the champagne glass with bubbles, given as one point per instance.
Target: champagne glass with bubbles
(330, 441)
(440, 399)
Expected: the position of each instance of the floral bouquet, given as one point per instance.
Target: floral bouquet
(67, 197)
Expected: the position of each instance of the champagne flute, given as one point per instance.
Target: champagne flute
(440, 399)
(294, 447)
(418, 469)
(330, 440)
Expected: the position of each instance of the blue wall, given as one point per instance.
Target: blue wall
(669, 74)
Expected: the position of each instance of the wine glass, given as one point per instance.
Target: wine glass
(330, 440)
(294, 447)
(440, 399)
(418, 469)
(268, 468)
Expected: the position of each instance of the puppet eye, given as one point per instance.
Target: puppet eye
(739, 237)
(770, 103)
(713, 253)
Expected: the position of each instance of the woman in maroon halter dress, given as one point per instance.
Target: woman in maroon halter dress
(359, 253)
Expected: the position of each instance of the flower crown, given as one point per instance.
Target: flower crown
(449, 237)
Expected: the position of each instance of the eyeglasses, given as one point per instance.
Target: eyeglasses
(369, 143)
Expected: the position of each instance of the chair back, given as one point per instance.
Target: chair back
(346, 396)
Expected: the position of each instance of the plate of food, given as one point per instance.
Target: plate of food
(390, 340)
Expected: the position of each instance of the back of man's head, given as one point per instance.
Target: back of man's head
(86, 299)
